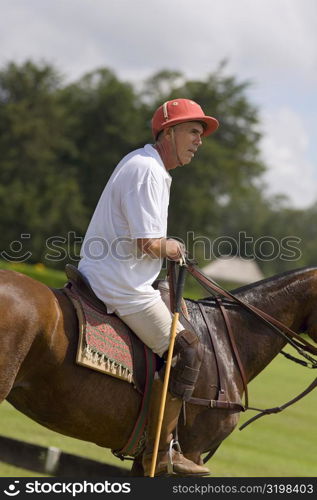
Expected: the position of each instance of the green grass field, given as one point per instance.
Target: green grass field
(50, 277)
(282, 445)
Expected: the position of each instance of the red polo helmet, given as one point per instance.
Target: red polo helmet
(180, 111)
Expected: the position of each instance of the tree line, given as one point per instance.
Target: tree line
(59, 144)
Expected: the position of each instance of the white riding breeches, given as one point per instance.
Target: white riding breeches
(153, 326)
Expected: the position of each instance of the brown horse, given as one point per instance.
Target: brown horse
(39, 377)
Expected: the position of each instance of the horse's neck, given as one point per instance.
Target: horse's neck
(286, 298)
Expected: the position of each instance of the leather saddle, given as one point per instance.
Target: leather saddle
(82, 284)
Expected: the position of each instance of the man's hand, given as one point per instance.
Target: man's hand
(175, 250)
(162, 247)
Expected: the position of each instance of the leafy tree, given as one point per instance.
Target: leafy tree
(59, 145)
(107, 123)
(39, 195)
(295, 232)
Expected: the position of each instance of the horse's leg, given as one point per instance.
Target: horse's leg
(137, 467)
(21, 299)
(14, 348)
(7, 377)
(218, 425)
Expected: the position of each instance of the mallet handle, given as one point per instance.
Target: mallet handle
(178, 298)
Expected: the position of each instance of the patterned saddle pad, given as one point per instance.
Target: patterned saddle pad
(107, 345)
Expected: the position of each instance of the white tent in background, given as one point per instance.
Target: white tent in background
(234, 269)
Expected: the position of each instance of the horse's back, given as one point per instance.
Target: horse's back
(24, 295)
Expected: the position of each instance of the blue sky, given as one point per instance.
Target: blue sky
(272, 43)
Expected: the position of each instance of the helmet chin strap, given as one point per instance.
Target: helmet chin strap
(167, 149)
(175, 148)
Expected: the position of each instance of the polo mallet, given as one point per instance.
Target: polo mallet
(177, 308)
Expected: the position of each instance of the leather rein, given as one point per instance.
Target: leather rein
(301, 345)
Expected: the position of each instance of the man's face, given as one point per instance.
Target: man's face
(187, 140)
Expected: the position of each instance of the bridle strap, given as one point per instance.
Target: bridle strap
(278, 409)
(175, 147)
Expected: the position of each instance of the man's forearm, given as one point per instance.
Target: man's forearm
(161, 247)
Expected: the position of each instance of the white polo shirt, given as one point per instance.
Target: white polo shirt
(134, 204)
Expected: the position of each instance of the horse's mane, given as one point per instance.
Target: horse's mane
(265, 282)
(275, 278)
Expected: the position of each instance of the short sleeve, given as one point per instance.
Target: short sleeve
(142, 207)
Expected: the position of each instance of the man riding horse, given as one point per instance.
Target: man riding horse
(123, 252)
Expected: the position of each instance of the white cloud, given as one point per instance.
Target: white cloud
(261, 38)
(272, 43)
(285, 151)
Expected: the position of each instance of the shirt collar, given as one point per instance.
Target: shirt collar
(150, 150)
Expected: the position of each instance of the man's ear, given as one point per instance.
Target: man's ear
(167, 133)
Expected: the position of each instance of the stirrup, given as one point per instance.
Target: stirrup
(170, 465)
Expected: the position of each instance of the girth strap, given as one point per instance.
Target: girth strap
(234, 349)
(219, 364)
(217, 405)
(221, 402)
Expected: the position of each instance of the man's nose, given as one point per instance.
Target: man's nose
(198, 141)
